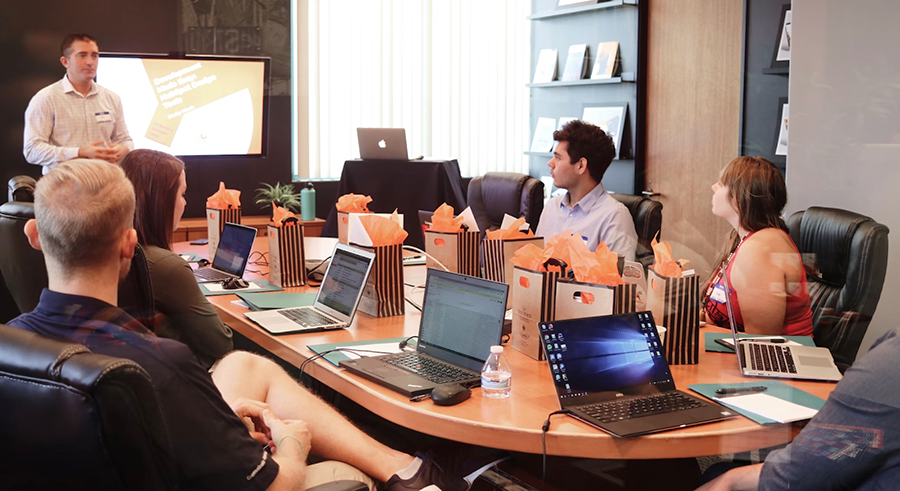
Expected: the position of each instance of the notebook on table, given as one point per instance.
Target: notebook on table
(382, 143)
(462, 317)
(335, 303)
(757, 359)
(611, 373)
(231, 256)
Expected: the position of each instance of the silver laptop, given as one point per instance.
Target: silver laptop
(231, 256)
(382, 143)
(336, 301)
(757, 359)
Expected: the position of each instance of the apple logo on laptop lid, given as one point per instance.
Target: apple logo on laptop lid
(382, 144)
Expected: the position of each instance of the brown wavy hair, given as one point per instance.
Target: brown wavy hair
(759, 194)
(588, 141)
(155, 177)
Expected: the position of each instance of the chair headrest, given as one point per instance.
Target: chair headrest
(21, 188)
(32, 355)
(829, 234)
(502, 191)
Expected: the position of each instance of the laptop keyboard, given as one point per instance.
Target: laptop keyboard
(771, 358)
(211, 274)
(429, 368)
(608, 412)
(307, 317)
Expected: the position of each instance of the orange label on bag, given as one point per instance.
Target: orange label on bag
(653, 284)
(524, 281)
(212, 216)
(440, 242)
(272, 234)
(345, 219)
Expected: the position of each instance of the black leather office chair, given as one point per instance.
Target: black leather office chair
(851, 254)
(497, 193)
(21, 188)
(647, 216)
(72, 419)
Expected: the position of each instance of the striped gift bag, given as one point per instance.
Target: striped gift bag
(287, 262)
(675, 303)
(383, 295)
(458, 252)
(215, 222)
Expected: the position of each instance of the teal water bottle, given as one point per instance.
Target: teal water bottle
(308, 203)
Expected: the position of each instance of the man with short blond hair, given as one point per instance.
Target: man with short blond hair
(75, 117)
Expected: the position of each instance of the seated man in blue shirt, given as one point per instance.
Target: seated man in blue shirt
(852, 443)
(579, 161)
(217, 425)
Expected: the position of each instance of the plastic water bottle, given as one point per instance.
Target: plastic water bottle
(496, 378)
(308, 203)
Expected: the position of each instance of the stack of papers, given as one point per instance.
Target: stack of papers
(769, 407)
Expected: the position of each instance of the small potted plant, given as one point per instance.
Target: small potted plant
(282, 194)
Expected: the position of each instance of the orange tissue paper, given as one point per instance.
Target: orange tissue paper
(511, 232)
(383, 231)
(224, 199)
(282, 216)
(443, 221)
(663, 263)
(353, 203)
(530, 257)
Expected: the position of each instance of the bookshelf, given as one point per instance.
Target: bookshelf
(624, 21)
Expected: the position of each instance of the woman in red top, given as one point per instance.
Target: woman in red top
(767, 280)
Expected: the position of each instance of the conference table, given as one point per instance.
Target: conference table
(515, 423)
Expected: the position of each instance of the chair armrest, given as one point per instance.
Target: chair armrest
(340, 486)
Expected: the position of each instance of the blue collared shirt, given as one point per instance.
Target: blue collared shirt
(598, 217)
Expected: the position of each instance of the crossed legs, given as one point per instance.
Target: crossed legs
(242, 374)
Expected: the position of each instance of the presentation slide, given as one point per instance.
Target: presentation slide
(189, 107)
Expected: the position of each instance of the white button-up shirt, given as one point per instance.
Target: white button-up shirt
(59, 120)
(598, 217)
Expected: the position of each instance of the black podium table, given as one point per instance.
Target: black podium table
(408, 186)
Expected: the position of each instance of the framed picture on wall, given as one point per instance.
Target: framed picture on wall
(781, 57)
(781, 134)
(610, 117)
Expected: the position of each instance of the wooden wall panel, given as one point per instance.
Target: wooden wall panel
(693, 109)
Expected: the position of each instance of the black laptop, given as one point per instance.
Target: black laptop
(462, 317)
(611, 372)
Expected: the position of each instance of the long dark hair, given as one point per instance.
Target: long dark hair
(155, 176)
(759, 195)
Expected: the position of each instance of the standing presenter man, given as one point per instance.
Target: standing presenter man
(75, 117)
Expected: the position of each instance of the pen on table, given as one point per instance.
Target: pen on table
(741, 390)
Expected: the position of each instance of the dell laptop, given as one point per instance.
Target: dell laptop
(611, 372)
(336, 302)
(462, 317)
(382, 143)
(231, 256)
(757, 359)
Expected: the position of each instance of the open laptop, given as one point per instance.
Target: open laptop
(231, 256)
(757, 359)
(382, 143)
(336, 302)
(611, 372)
(462, 317)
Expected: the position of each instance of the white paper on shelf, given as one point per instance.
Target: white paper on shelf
(382, 348)
(770, 407)
(543, 135)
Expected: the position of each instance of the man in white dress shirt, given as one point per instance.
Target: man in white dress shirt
(75, 118)
(580, 159)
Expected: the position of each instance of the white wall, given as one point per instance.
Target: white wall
(844, 148)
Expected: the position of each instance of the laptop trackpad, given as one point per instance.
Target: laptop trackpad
(385, 372)
(815, 361)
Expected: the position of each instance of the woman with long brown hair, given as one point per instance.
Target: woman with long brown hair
(764, 269)
(159, 188)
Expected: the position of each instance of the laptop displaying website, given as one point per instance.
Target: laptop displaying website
(611, 372)
(231, 256)
(336, 301)
(462, 317)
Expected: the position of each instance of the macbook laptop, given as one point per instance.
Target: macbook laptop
(611, 372)
(231, 256)
(336, 302)
(382, 143)
(761, 359)
(462, 317)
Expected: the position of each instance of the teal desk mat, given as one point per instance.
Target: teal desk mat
(336, 357)
(776, 389)
(270, 300)
(710, 344)
(266, 287)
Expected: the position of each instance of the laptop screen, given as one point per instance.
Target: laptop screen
(601, 358)
(462, 317)
(344, 280)
(234, 248)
